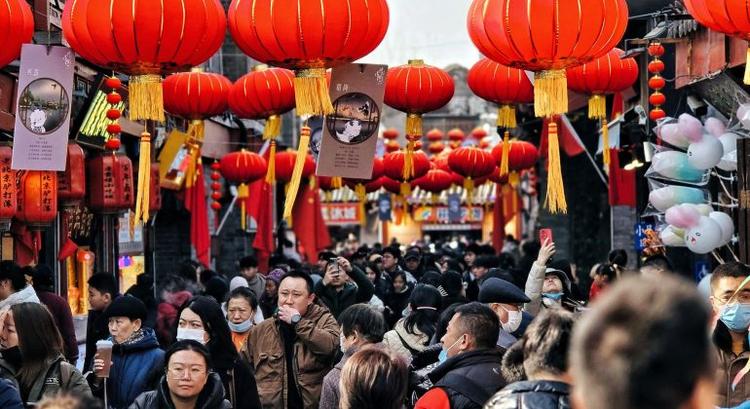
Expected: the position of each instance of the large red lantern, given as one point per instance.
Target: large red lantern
(395, 162)
(391, 185)
(18, 28)
(265, 93)
(243, 167)
(8, 189)
(415, 89)
(471, 163)
(547, 38)
(308, 37)
(503, 85)
(111, 185)
(71, 183)
(725, 16)
(608, 74)
(37, 198)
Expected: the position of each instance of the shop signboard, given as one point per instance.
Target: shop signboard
(340, 214)
(440, 214)
(43, 103)
(350, 134)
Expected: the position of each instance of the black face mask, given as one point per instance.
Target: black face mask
(13, 356)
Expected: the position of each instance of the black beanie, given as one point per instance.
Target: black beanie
(126, 306)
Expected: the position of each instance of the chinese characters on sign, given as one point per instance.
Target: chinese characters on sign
(340, 213)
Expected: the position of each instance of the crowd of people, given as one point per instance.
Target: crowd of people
(426, 327)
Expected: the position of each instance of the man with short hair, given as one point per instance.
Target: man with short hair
(645, 345)
(413, 263)
(102, 291)
(293, 351)
(469, 372)
(656, 265)
(731, 303)
(249, 270)
(545, 363)
(479, 273)
(391, 259)
(361, 326)
(335, 290)
(507, 301)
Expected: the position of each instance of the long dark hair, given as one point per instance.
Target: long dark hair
(425, 301)
(38, 339)
(223, 352)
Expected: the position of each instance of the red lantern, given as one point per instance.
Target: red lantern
(392, 146)
(435, 181)
(502, 85)
(37, 199)
(436, 147)
(216, 188)
(471, 163)
(656, 82)
(285, 162)
(608, 74)
(456, 135)
(485, 142)
(478, 133)
(391, 186)
(496, 178)
(8, 188)
(435, 135)
(72, 182)
(395, 162)
(196, 95)
(518, 155)
(243, 167)
(390, 134)
(265, 93)
(111, 183)
(18, 28)
(308, 37)
(547, 38)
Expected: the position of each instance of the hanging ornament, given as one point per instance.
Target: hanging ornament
(243, 167)
(395, 162)
(547, 37)
(471, 163)
(390, 134)
(71, 184)
(114, 112)
(8, 189)
(434, 181)
(503, 85)
(37, 198)
(111, 185)
(17, 22)
(514, 157)
(216, 189)
(656, 82)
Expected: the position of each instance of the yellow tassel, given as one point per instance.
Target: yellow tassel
(146, 98)
(605, 143)
(196, 133)
(408, 172)
(469, 188)
(414, 125)
(550, 93)
(504, 161)
(514, 179)
(311, 92)
(312, 182)
(293, 186)
(506, 116)
(329, 197)
(243, 193)
(405, 190)
(144, 179)
(360, 192)
(271, 172)
(272, 128)
(337, 182)
(747, 69)
(597, 107)
(362, 213)
(555, 200)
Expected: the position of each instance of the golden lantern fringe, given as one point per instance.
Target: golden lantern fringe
(361, 193)
(605, 143)
(144, 179)
(272, 128)
(504, 160)
(299, 164)
(597, 107)
(337, 182)
(514, 179)
(434, 198)
(550, 93)
(196, 133)
(311, 92)
(271, 172)
(747, 69)
(506, 117)
(243, 193)
(469, 188)
(414, 125)
(405, 190)
(146, 98)
(408, 172)
(555, 200)
(329, 197)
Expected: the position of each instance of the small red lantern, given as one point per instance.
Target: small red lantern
(17, 21)
(485, 142)
(8, 189)
(216, 187)
(436, 147)
(391, 186)
(435, 135)
(656, 82)
(243, 167)
(395, 162)
(502, 85)
(435, 181)
(456, 135)
(390, 134)
(72, 182)
(471, 163)
(478, 133)
(520, 155)
(392, 146)
(196, 95)
(37, 199)
(111, 183)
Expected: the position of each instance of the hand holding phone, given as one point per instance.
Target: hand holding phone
(545, 235)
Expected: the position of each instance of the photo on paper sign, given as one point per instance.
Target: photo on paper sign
(43, 106)
(355, 120)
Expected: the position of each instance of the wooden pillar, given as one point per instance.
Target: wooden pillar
(743, 219)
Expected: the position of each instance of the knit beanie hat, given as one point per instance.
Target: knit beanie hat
(126, 306)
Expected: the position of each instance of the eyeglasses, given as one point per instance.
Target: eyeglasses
(178, 372)
(742, 298)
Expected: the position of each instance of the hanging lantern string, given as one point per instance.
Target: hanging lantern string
(598, 111)
(555, 200)
(144, 177)
(299, 164)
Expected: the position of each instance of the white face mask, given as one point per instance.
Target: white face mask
(514, 320)
(193, 334)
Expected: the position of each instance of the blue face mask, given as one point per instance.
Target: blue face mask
(444, 353)
(553, 296)
(736, 317)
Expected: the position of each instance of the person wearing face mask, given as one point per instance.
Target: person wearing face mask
(731, 302)
(361, 325)
(469, 372)
(241, 308)
(201, 320)
(411, 334)
(137, 360)
(506, 300)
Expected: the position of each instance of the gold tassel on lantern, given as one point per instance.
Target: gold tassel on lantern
(555, 200)
(196, 132)
(146, 98)
(337, 182)
(469, 188)
(144, 180)
(747, 69)
(405, 190)
(361, 193)
(270, 132)
(271, 173)
(504, 161)
(506, 117)
(243, 193)
(605, 142)
(408, 172)
(311, 92)
(597, 107)
(414, 125)
(299, 164)
(550, 93)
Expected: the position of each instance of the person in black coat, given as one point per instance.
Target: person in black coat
(102, 292)
(398, 299)
(336, 292)
(202, 320)
(545, 363)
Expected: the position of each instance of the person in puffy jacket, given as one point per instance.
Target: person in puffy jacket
(188, 382)
(9, 396)
(137, 360)
(545, 363)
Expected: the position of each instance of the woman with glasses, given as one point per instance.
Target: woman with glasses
(188, 382)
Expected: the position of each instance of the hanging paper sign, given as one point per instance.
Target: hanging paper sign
(40, 137)
(454, 208)
(340, 213)
(350, 134)
(384, 207)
